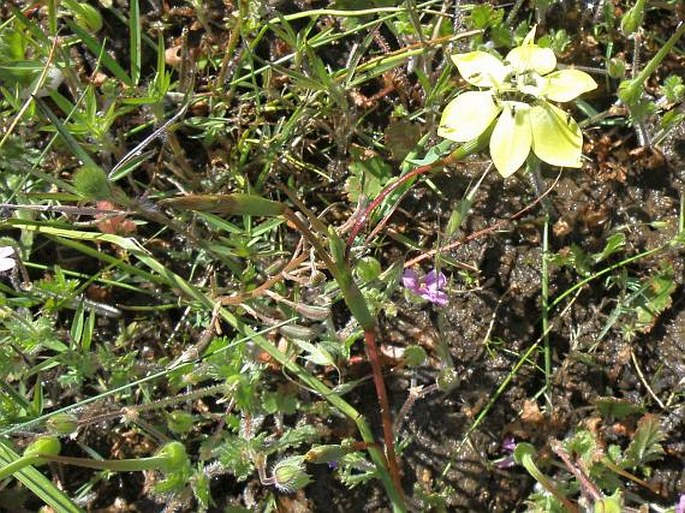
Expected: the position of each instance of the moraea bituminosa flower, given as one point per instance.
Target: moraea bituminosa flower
(518, 90)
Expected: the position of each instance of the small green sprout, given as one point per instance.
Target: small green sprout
(518, 91)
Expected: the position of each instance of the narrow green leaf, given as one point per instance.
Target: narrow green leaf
(134, 30)
(40, 485)
(69, 140)
(97, 49)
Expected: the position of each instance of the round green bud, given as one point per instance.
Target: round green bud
(289, 474)
(175, 455)
(62, 423)
(48, 445)
(616, 68)
(179, 422)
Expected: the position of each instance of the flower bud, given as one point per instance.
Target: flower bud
(175, 454)
(325, 454)
(632, 19)
(62, 423)
(179, 422)
(289, 474)
(616, 68)
(48, 445)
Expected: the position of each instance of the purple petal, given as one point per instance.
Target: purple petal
(505, 463)
(509, 444)
(436, 296)
(680, 507)
(410, 279)
(435, 280)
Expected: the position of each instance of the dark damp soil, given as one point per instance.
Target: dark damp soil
(598, 346)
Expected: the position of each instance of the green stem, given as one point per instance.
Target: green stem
(460, 153)
(354, 299)
(630, 91)
(128, 465)
(17, 465)
(523, 455)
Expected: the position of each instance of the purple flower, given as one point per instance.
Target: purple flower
(428, 286)
(508, 446)
(680, 507)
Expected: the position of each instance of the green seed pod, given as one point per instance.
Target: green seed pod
(88, 16)
(48, 445)
(325, 454)
(290, 475)
(62, 423)
(616, 68)
(91, 182)
(176, 456)
(632, 19)
(179, 422)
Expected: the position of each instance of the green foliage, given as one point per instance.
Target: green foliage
(606, 469)
(673, 88)
(222, 323)
(646, 444)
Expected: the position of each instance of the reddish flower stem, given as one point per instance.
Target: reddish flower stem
(460, 153)
(388, 436)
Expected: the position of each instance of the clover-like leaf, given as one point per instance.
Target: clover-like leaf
(511, 138)
(566, 84)
(467, 116)
(557, 139)
(480, 68)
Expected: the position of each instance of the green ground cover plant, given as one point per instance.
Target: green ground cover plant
(253, 256)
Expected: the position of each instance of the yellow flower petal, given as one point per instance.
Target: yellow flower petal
(511, 138)
(532, 57)
(467, 116)
(557, 139)
(480, 68)
(566, 84)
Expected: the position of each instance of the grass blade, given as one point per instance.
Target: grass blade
(97, 49)
(134, 29)
(39, 484)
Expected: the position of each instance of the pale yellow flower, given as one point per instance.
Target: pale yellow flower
(517, 92)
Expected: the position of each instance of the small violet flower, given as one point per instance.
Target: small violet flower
(516, 92)
(680, 507)
(428, 287)
(7, 261)
(508, 446)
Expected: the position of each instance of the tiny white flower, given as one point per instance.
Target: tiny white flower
(7, 261)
